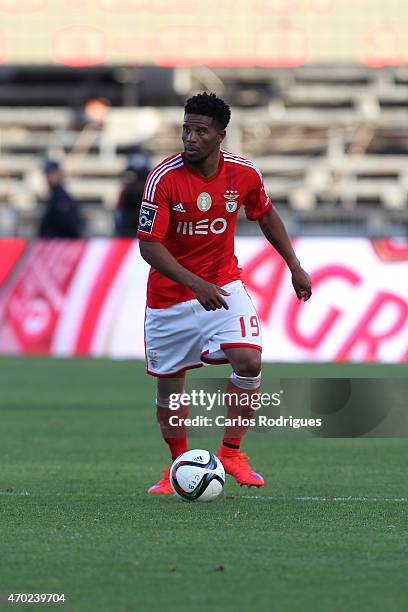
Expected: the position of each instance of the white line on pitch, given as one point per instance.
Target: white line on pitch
(326, 499)
(263, 497)
(15, 493)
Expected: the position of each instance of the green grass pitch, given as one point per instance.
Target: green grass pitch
(78, 448)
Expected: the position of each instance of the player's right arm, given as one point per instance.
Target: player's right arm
(160, 258)
(153, 223)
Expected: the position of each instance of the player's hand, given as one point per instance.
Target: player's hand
(301, 283)
(210, 296)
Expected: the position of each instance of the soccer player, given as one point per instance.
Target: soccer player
(198, 310)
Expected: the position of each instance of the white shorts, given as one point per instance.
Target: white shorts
(186, 336)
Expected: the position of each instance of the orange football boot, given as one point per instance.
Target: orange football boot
(162, 487)
(238, 467)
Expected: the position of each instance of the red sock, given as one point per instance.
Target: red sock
(238, 406)
(177, 447)
(230, 446)
(174, 435)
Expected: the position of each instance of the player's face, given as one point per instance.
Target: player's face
(201, 137)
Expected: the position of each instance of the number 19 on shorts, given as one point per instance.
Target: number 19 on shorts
(249, 326)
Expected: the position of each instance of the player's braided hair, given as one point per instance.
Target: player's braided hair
(210, 106)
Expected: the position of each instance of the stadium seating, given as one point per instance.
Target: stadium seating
(332, 144)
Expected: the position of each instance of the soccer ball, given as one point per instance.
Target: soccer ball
(197, 475)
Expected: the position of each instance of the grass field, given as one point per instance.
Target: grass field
(79, 447)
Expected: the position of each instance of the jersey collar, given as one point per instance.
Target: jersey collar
(197, 174)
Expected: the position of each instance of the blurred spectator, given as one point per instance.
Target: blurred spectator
(61, 217)
(128, 207)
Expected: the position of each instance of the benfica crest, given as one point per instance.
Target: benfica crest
(231, 196)
(152, 355)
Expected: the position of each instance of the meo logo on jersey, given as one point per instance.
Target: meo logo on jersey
(204, 227)
(146, 218)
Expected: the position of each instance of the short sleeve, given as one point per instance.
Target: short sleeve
(257, 201)
(154, 214)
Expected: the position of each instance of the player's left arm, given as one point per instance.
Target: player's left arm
(275, 232)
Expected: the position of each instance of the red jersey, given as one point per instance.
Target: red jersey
(195, 218)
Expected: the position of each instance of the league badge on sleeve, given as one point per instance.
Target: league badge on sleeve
(146, 218)
(231, 196)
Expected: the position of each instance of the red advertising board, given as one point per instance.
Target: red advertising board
(88, 298)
